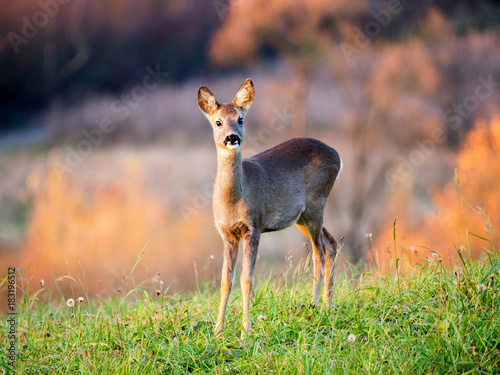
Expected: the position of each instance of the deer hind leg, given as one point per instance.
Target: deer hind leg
(228, 268)
(330, 246)
(313, 232)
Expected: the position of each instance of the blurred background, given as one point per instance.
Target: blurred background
(104, 152)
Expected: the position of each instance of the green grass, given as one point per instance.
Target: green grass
(428, 321)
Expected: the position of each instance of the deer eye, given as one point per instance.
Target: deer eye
(218, 123)
(240, 120)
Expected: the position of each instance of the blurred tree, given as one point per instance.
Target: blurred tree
(389, 91)
(399, 93)
(53, 49)
(297, 31)
(71, 49)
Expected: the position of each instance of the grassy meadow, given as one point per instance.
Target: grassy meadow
(430, 319)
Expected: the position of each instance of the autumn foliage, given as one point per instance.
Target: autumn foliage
(465, 210)
(94, 231)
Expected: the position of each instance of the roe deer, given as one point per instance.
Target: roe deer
(287, 184)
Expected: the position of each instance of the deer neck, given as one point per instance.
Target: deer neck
(229, 179)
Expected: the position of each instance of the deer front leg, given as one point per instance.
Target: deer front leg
(250, 249)
(228, 267)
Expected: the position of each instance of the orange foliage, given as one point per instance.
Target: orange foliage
(463, 212)
(95, 232)
(390, 79)
(289, 26)
(435, 25)
(403, 86)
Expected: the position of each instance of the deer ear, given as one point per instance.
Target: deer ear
(206, 100)
(244, 96)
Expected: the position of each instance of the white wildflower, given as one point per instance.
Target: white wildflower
(156, 278)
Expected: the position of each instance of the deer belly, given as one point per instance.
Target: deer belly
(279, 221)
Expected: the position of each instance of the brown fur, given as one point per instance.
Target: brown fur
(287, 184)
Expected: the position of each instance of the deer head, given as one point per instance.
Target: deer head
(227, 120)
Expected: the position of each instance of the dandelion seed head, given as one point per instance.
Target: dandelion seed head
(351, 338)
(481, 287)
(369, 235)
(42, 282)
(156, 278)
(211, 257)
(80, 299)
(70, 302)
(261, 317)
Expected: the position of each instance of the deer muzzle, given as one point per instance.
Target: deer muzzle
(232, 141)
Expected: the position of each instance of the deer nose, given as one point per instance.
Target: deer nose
(232, 140)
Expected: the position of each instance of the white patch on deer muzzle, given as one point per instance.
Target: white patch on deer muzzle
(232, 146)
